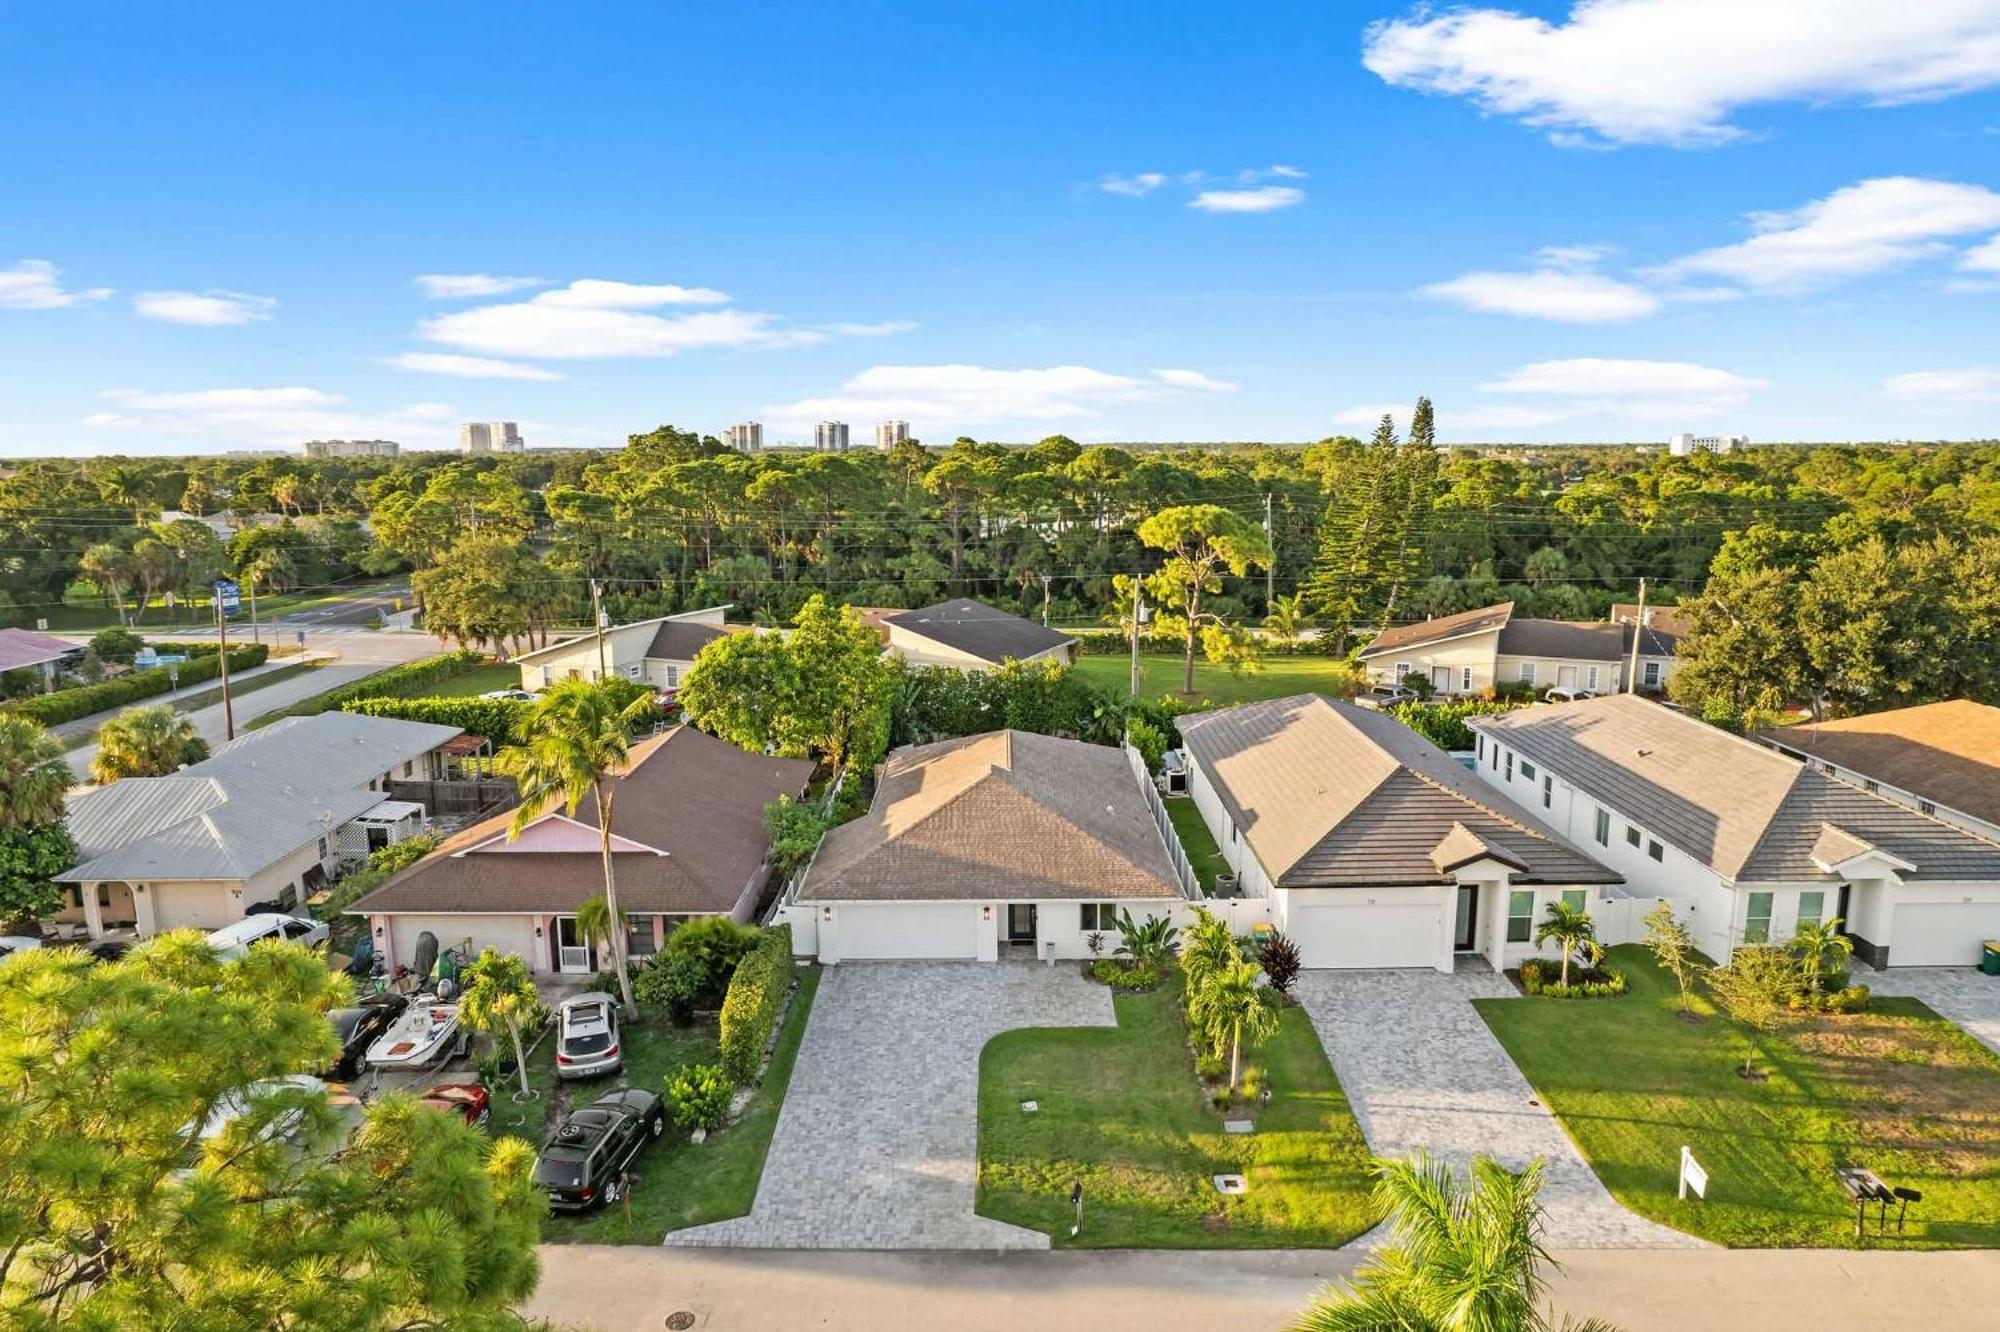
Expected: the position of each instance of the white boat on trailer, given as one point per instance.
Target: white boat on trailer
(426, 1033)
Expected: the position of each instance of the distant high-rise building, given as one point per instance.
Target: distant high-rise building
(350, 448)
(1682, 445)
(490, 437)
(745, 436)
(891, 433)
(830, 436)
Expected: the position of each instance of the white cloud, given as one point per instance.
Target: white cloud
(214, 308)
(111, 421)
(1614, 380)
(599, 294)
(470, 367)
(884, 329)
(1676, 71)
(1971, 384)
(36, 284)
(271, 417)
(458, 286)
(1561, 294)
(1863, 228)
(1574, 256)
(1265, 199)
(1983, 258)
(1284, 172)
(1144, 183)
(950, 397)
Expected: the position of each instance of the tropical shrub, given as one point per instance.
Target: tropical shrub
(406, 681)
(794, 830)
(115, 643)
(1845, 999)
(698, 1096)
(1125, 976)
(1443, 724)
(670, 983)
(1150, 942)
(1280, 959)
(695, 967)
(497, 719)
(750, 1008)
(69, 704)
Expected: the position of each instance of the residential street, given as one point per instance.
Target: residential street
(750, 1290)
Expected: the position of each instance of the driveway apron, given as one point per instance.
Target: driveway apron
(877, 1144)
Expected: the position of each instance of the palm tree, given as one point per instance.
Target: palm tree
(1234, 1008)
(1816, 943)
(1287, 618)
(597, 924)
(146, 742)
(1571, 928)
(499, 996)
(34, 776)
(1465, 1257)
(1206, 948)
(576, 739)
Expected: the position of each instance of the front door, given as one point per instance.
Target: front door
(1566, 677)
(1465, 936)
(1021, 922)
(572, 954)
(1840, 910)
(1441, 679)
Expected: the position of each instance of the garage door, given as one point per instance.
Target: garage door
(192, 906)
(906, 930)
(503, 934)
(1366, 936)
(1941, 934)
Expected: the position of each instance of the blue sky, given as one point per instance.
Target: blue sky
(1121, 221)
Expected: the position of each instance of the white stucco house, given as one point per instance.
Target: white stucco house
(1374, 847)
(1006, 841)
(657, 652)
(1474, 650)
(968, 635)
(264, 821)
(688, 840)
(1746, 842)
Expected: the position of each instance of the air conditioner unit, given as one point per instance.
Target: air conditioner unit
(1225, 885)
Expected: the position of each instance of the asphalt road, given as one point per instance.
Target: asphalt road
(208, 721)
(356, 611)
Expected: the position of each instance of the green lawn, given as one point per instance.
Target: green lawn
(1121, 1111)
(476, 680)
(84, 609)
(679, 1183)
(1896, 1089)
(1199, 843)
(1161, 674)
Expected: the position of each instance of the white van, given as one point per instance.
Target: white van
(233, 941)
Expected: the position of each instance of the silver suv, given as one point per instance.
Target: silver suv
(587, 1036)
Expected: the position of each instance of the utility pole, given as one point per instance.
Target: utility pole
(1271, 569)
(597, 617)
(1638, 628)
(1138, 610)
(1045, 600)
(222, 666)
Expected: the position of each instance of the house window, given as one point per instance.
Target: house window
(1655, 850)
(672, 675)
(1548, 792)
(1926, 807)
(322, 848)
(638, 936)
(1870, 785)
(1590, 678)
(1757, 921)
(1098, 916)
(409, 766)
(1576, 898)
(1527, 770)
(1402, 669)
(1527, 672)
(1510, 765)
(1520, 917)
(1496, 756)
(1604, 827)
(1465, 680)
(1649, 675)
(1631, 835)
(1812, 908)
(1479, 746)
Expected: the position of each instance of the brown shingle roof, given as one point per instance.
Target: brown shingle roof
(1480, 621)
(699, 799)
(986, 632)
(1747, 812)
(1947, 752)
(1007, 814)
(1331, 795)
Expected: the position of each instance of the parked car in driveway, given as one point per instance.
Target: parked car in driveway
(233, 941)
(1564, 694)
(468, 1100)
(584, 1158)
(1386, 696)
(509, 695)
(233, 1105)
(360, 1027)
(587, 1036)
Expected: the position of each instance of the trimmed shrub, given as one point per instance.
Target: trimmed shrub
(698, 1097)
(1443, 724)
(1539, 976)
(1847, 999)
(69, 704)
(1125, 976)
(498, 719)
(756, 992)
(404, 681)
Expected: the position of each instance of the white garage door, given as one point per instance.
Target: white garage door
(503, 934)
(192, 906)
(906, 929)
(1942, 934)
(1366, 936)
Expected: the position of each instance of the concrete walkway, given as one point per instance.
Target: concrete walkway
(877, 1144)
(750, 1290)
(1961, 994)
(1424, 1072)
(208, 721)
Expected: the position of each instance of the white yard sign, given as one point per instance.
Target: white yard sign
(1692, 1176)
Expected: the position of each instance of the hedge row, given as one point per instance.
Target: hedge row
(750, 1008)
(498, 719)
(399, 681)
(69, 704)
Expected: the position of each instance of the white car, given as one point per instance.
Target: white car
(1386, 696)
(587, 1036)
(513, 695)
(233, 941)
(1564, 694)
(11, 944)
(233, 1105)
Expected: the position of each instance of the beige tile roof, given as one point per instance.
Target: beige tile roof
(1331, 795)
(1747, 812)
(1004, 815)
(1945, 752)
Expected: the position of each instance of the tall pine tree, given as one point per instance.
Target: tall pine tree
(1359, 537)
(1416, 481)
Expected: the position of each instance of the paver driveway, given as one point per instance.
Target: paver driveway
(877, 1144)
(1424, 1071)
(1960, 994)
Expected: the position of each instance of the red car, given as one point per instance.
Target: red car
(468, 1100)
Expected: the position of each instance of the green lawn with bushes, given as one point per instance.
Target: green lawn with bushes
(1204, 856)
(1159, 674)
(1895, 1089)
(1121, 1110)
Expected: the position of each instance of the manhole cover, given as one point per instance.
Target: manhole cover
(680, 1320)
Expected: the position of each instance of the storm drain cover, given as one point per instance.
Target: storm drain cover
(1029, 1107)
(1231, 1184)
(680, 1320)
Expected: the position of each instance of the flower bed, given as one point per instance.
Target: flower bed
(1542, 978)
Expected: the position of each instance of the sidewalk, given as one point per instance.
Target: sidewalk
(740, 1290)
